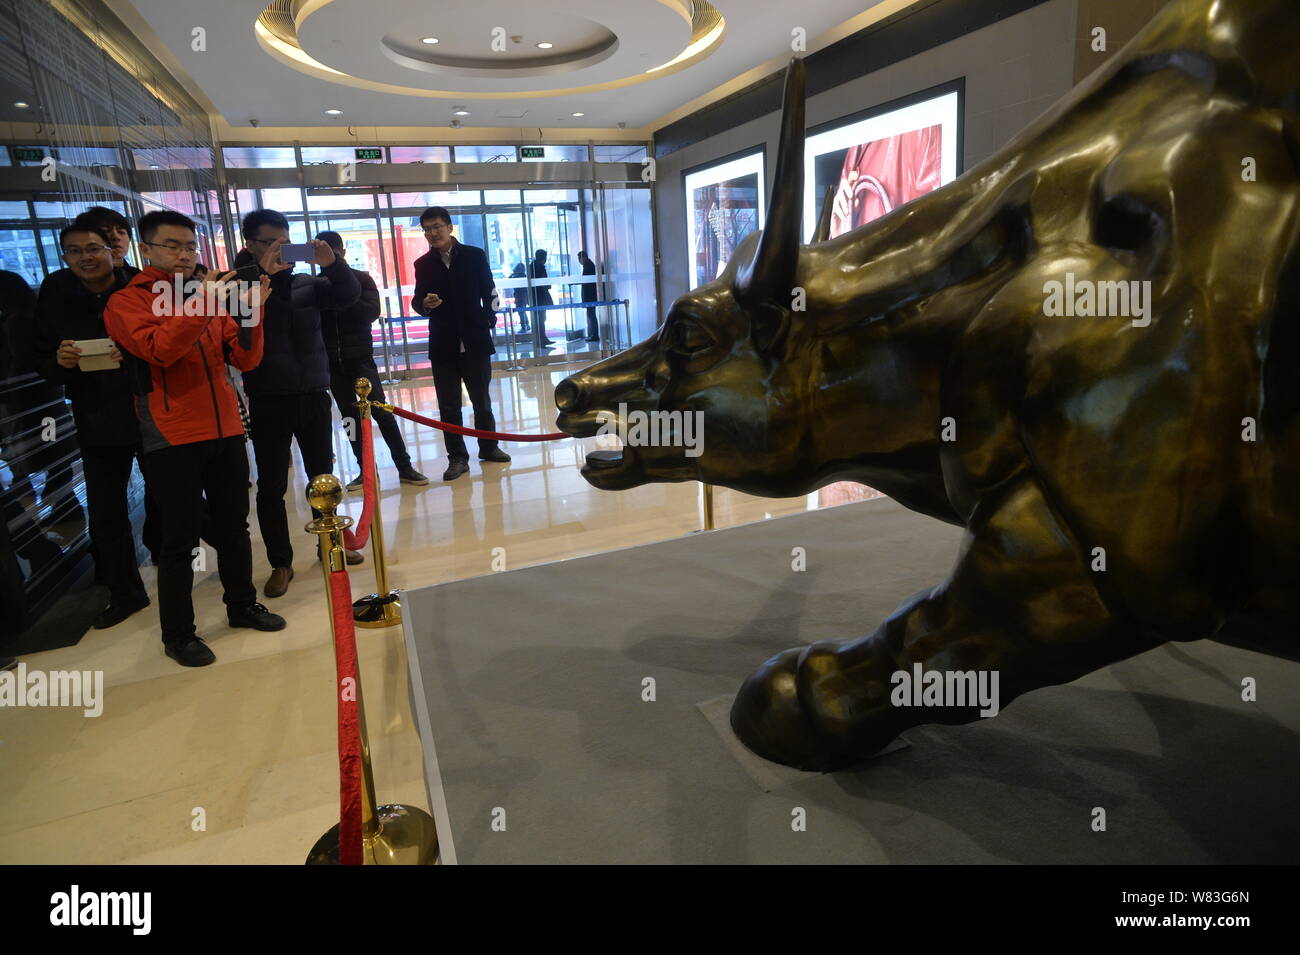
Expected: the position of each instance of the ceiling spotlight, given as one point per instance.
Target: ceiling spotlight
(154, 165)
(429, 39)
(579, 114)
(21, 105)
(332, 111)
(454, 124)
(545, 45)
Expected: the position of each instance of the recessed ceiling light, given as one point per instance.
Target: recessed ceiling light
(428, 39)
(545, 45)
(154, 165)
(460, 112)
(333, 112)
(21, 105)
(579, 114)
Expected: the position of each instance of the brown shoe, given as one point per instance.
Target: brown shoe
(355, 557)
(278, 582)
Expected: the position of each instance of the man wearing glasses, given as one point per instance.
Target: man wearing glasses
(455, 289)
(288, 396)
(192, 434)
(70, 309)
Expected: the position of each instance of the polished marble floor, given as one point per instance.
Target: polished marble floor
(237, 762)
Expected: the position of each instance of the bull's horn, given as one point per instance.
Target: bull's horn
(824, 220)
(769, 276)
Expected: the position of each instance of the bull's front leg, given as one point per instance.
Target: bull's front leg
(1021, 601)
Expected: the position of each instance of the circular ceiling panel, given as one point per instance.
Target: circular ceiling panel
(491, 48)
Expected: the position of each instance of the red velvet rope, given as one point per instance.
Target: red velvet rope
(358, 540)
(345, 659)
(474, 432)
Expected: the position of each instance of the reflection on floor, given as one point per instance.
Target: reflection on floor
(237, 762)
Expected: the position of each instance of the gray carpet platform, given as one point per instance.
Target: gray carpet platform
(539, 747)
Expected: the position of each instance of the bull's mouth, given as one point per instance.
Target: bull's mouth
(613, 470)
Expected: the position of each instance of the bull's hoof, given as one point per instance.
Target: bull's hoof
(796, 710)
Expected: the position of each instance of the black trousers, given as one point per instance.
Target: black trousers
(108, 474)
(179, 478)
(277, 421)
(447, 377)
(593, 329)
(345, 396)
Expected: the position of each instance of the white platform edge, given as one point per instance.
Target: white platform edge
(432, 774)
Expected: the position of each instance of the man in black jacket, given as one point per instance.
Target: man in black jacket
(351, 353)
(118, 229)
(70, 309)
(287, 396)
(455, 289)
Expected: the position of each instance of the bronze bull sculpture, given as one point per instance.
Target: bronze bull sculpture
(1123, 480)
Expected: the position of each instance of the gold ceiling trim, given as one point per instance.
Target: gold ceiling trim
(276, 30)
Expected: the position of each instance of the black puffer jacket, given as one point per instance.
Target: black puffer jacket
(103, 402)
(347, 330)
(294, 360)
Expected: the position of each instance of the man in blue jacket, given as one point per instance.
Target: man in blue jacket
(455, 289)
(288, 396)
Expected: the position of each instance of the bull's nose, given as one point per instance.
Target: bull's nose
(568, 396)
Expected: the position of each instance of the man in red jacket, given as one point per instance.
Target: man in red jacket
(189, 422)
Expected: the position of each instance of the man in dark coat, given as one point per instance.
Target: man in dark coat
(351, 353)
(287, 392)
(589, 295)
(70, 309)
(455, 289)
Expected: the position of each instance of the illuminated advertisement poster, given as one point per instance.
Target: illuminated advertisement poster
(724, 203)
(878, 163)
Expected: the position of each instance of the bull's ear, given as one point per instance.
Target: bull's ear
(769, 325)
(769, 275)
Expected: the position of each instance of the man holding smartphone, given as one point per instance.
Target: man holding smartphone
(70, 314)
(189, 422)
(455, 289)
(288, 393)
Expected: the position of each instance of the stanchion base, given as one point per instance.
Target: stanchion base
(376, 612)
(406, 836)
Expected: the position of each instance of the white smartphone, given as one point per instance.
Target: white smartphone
(95, 354)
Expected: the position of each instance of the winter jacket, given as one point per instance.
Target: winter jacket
(103, 402)
(192, 398)
(347, 330)
(294, 361)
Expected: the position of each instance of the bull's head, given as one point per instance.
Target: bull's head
(1136, 175)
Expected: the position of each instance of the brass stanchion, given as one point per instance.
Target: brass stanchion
(383, 608)
(708, 506)
(394, 834)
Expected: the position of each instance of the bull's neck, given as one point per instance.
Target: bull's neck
(881, 410)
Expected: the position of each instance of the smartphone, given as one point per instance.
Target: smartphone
(247, 273)
(95, 354)
(289, 252)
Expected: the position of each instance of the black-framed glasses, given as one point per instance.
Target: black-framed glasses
(73, 251)
(175, 246)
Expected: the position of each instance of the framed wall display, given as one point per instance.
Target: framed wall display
(883, 157)
(724, 203)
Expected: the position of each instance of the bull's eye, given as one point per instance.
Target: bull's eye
(689, 338)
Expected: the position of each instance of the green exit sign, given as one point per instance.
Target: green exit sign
(532, 152)
(369, 152)
(28, 154)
